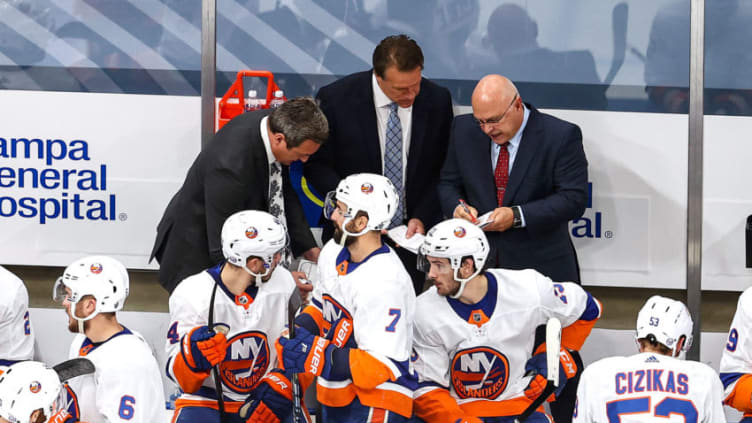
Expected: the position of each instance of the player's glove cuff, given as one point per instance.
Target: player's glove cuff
(202, 348)
(271, 401)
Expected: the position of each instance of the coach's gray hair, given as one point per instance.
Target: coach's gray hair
(298, 120)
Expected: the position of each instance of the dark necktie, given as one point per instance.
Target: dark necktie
(501, 173)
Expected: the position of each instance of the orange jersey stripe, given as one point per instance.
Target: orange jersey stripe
(486, 408)
(367, 371)
(230, 406)
(574, 335)
(378, 415)
(739, 397)
(438, 406)
(377, 398)
(188, 380)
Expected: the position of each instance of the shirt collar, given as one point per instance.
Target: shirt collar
(517, 138)
(264, 128)
(379, 98)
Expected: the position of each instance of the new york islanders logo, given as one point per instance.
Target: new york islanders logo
(246, 361)
(459, 232)
(366, 188)
(35, 387)
(251, 232)
(96, 268)
(479, 372)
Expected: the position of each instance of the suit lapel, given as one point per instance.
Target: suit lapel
(261, 165)
(366, 115)
(525, 154)
(486, 173)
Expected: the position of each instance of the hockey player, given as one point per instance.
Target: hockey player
(127, 385)
(356, 334)
(31, 392)
(16, 336)
(655, 384)
(475, 331)
(736, 362)
(248, 293)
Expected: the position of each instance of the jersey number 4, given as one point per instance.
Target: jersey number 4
(665, 408)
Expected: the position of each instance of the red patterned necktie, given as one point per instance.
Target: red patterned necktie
(501, 173)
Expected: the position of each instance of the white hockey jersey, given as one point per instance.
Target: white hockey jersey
(256, 319)
(649, 387)
(127, 383)
(16, 335)
(736, 362)
(377, 296)
(478, 352)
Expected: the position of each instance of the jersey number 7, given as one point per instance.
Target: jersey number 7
(397, 313)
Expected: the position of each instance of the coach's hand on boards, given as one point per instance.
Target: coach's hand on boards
(271, 401)
(203, 348)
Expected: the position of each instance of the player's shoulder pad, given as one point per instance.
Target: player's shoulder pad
(430, 306)
(11, 284)
(194, 290)
(281, 281)
(745, 300)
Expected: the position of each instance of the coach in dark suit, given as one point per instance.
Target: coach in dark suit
(233, 173)
(529, 170)
(361, 108)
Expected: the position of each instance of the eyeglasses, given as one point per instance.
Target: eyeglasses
(494, 121)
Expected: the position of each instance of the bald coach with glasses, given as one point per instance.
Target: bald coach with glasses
(528, 169)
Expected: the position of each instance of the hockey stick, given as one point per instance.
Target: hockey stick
(293, 306)
(215, 369)
(74, 367)
(553, 345)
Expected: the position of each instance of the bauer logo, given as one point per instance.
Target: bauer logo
(591, 224)
(53, 179)
(246, 361)
(480, 372)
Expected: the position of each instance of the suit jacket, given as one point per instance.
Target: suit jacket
(548, 181)
(353, 145)
(229, 175)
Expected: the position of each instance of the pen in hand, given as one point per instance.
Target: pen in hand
(467, 210)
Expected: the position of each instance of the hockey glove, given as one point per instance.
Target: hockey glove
(341, 333)
(305, 353)
(271, 401)
(61, 416)
(538, 368)
(202, 348)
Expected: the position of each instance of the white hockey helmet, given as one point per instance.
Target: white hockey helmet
(454, 239)
(367, 192)
(665, 321)
(253, 233)
(102, 277)
(27, 386)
